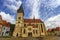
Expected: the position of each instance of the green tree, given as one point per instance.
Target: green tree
(12, 26)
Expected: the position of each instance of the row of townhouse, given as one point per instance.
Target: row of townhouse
(4, 27)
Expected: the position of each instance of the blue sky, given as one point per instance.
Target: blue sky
(46, 10)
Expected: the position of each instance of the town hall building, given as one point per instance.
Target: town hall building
(28, 27)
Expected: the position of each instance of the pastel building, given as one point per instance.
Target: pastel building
(5, 29)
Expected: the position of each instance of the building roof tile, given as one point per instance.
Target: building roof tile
(33, 20)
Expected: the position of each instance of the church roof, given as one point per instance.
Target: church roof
(20, 10)
(33, 20)
(29, 21)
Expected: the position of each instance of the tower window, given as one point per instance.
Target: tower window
(19, 17)
(24, 24)
(18, 22)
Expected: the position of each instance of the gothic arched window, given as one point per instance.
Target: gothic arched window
(41, 27)
(24, 31)
(34, 31)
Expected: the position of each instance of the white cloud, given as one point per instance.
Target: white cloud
(34, 6)
(7, 17)
(53, 3)
(35, 9)
(13, 4)
(53, 22)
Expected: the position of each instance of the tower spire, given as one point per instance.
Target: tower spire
(20, 10)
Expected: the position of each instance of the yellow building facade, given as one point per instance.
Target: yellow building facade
(28, 27)
(1, 22)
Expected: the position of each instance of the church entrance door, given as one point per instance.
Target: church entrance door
(17, 35)
(30, 34)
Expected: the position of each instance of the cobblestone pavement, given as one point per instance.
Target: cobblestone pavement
(31, 38)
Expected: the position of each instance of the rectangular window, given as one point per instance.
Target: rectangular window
(7, 32)
(4, 28)
(34, 31)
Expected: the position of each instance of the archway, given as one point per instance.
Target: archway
(17, 35)
(30, 34)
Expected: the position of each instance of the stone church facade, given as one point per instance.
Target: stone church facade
(28, 27)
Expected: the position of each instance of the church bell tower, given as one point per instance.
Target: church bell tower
(19, 22)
